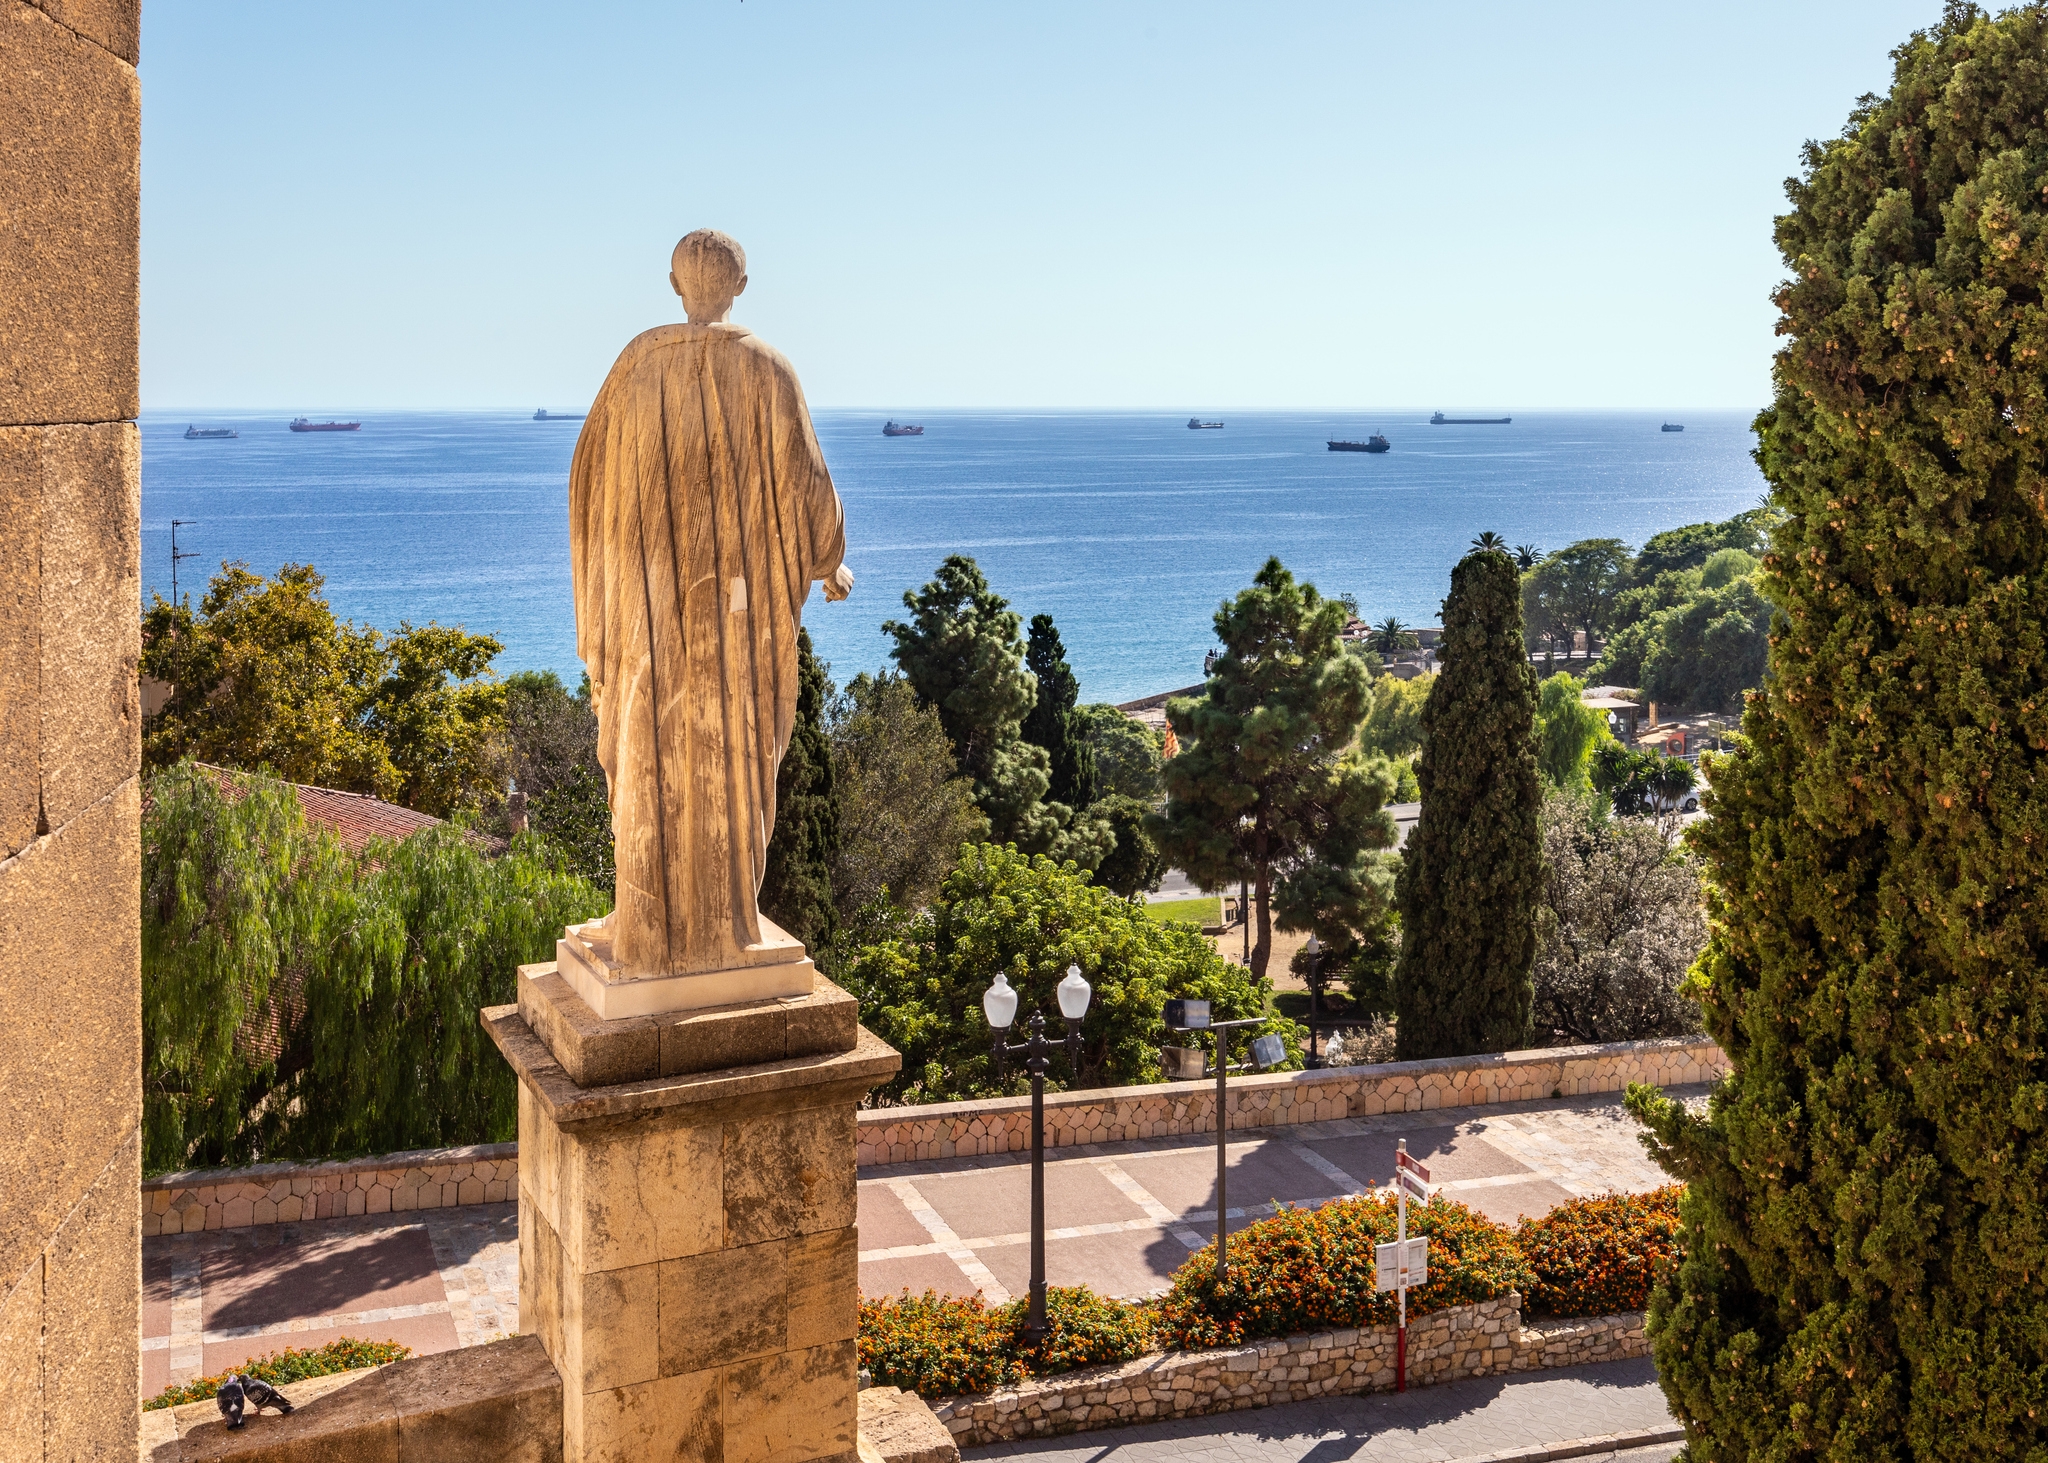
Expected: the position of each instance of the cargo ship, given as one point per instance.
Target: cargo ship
(544, 415)
(1440, 420)
(1672, 427)
(890, 429)
(1196, 424)
(300, 424)
(1377, 442)
(194, 433)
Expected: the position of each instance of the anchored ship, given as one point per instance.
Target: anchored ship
(891, 429)
(1440, 420)
(300, 424)
(195, 432)
(544, 415)
(1196, 424)
(1377, 442)
(1673, 427)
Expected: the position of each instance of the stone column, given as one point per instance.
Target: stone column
(70, 732)
(687, 1252)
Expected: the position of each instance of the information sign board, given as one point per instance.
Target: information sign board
(1401, 1264)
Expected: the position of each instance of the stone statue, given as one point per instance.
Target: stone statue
(700, 511)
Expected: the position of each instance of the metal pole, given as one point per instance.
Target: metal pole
(1037, 1196)
(1401, 1273)
(1222, 1155)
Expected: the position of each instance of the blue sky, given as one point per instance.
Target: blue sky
(1174, 206)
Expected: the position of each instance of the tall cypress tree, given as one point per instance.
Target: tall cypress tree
(796, 884)
(1866, 1218)
(1474, 871)
(1052, 723)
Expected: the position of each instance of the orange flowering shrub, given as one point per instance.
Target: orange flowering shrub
(1594, 1257)
(946, 1346)
(1313, 1270)
(343, 1355)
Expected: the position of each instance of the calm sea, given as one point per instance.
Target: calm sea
(1127, 528)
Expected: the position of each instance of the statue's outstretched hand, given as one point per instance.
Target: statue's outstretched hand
(839, 584)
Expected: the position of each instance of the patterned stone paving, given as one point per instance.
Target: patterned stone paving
(1122, 1217)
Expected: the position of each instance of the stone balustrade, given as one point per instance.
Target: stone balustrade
(1483, 1340)
(1170, 1109)
(279, 1193)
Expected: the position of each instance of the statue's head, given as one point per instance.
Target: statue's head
(709, 270)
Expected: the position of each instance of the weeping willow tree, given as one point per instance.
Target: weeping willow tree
(303, 1001)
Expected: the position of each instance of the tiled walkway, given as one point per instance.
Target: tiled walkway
(1526, 1416)
(1121, 1218)
(433, 1280)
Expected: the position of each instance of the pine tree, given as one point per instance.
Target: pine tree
(1052, 723)
(796, 884)
(1866, 1219)
(1265, 789)
(1474, 868)
(961, 653)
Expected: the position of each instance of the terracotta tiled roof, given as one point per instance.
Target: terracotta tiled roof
(356, 817)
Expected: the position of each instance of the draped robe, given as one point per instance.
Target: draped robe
(700, 511)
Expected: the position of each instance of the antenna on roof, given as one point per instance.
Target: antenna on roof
(176, 524)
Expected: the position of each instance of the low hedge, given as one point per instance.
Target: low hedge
(288, 1365)
(946, 1346)
(1595, 1257)
(1301, 1270)
(1313, 1270)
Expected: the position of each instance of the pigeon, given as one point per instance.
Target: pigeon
(238, 1391)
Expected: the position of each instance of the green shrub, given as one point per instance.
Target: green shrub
(937, 1345)
(1313, 1269)
(1597, 1257)
(1083, 1329)
(280, 1367)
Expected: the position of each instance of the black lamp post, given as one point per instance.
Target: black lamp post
(1267, 1052)
(1314, 951)
(999, 1005)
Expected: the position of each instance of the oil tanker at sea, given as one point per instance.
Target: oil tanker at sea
(1440, 420)
(300, 424)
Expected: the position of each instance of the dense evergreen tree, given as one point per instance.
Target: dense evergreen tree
(553, 764)
(1053, 723)
(1136, 863)
(962, 655)
(1266, 788)
(1474, 867)
(796, 884)
(1866, 1218)
(1126, 753)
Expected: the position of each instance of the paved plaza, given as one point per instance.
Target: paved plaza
(1121, 1218)
(1524, 1418)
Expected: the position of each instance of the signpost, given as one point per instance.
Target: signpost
(1405, 1262)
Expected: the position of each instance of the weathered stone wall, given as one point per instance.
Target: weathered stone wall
(1483, 1340)
(1003, 1125)
(70, 734)
(281, 1193)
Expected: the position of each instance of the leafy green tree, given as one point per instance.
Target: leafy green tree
(1136, 863)
(1393, 728)
(796, 884)
(1027, 918)
(1052, 723)
(961, 653)
(1705, 650)
(265, 676)
(1566, 731)
(1391, 637)
(1587, 576)
(1474, 866)
(1265, 788)
(553, 763)
(1690, 547)
(1641, 784)
(303, 1002)
(904, 810)
(1866, 1211)
(1126, 752)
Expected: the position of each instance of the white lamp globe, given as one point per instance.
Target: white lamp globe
(999, 1004)
(1312, 947)
(1074, 994)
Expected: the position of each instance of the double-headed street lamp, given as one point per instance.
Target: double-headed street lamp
(1268, 1051)
(999, 1004)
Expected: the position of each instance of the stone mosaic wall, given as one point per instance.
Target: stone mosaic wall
(1003, 1125)
(279, 1193)
(1481, 1340)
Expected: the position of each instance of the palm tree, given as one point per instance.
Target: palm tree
(1390, 635)
(1527, 556)
(1490, 542)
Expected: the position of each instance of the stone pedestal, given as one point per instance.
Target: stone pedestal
(687, 1253)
